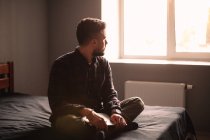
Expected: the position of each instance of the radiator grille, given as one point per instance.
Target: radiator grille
(157, 93)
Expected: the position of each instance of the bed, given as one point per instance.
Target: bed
(25, 116)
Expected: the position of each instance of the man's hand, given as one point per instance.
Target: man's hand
(118, 120)
(94, 119)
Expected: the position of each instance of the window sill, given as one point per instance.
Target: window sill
(164, 62)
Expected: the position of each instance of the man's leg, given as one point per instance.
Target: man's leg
(71, 126)
(131, 108)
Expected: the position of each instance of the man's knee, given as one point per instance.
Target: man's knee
(138, 103)
(131, 108)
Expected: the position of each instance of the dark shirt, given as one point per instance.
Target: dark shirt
(75, 84)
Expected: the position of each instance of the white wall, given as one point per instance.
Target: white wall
(23, 39)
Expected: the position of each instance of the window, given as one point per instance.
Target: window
(145, 28)
(162, 29)
(194, 34)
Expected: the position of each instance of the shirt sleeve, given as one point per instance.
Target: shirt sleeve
(110, 96)
(58, 89)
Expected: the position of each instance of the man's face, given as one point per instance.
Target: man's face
(101, 44)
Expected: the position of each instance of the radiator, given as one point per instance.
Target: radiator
(157, 93)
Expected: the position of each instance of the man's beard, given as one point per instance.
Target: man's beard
(97, 53)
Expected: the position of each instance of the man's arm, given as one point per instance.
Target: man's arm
(109, 94)
(110, 99)
(94, 119)
(58, 90)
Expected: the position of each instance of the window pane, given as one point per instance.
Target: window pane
(192, 25)
(145, 27)
(110, 15)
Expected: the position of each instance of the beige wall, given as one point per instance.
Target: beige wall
(63, 18)
(33, 33)
(23, 39)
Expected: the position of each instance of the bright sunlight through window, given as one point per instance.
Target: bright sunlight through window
(110, 14)
(145, 23)
(157, 29)
(192, 25)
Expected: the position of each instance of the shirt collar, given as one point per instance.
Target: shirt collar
(94, 59)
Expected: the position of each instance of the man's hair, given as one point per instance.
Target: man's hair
(87, 28)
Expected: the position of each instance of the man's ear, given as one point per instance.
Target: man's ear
(94, 41)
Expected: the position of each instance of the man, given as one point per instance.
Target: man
(81, 86)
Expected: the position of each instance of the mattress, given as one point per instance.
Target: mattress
(27, 117)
